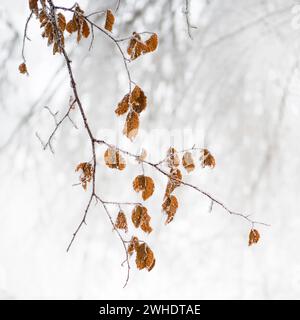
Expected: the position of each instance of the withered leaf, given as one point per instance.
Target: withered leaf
(138, 99)
(207, 159)
(87, 173)
(123, 106)
(140, 218)
(61, 20)
(144, 184)
(175, 178)
(170, 206)
(188, 162)
(23, 68)
(109, 21)
(133, 245)
(131, 126)
(71, 26)
(113, 159)
(144, 257)
(33, 5)
(152, 43)
(253, 236)
(172, 158)
(137, 47)
(121, 221)
(85, 29)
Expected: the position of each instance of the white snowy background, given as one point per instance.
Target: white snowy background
(233, 88)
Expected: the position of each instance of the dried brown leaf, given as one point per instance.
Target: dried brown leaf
(123, 106)
(131, 126)
(23, 68)
(133, 245)
(121, 221)
(113, 159)
(172, 158)
(188, 162)
(61, 20)
(138, 99)
(253, 236)
(144, 257)
(109, 21)
(87, 173)
(144, 184)
(140, 218)
(152, 43)
(207, 159)
(71, 26)
(170, 206)
(85, 29)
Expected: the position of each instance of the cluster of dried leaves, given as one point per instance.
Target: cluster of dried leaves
(132, 104)
(144, 255)
(137, 47)
(78, 24)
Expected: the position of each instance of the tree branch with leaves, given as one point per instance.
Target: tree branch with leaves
(54, 25)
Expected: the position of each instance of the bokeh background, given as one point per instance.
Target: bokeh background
(234, 87)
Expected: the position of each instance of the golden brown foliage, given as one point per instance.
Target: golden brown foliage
(131, 126)
(253, 236)
(79, 24)
(172, 158)
(121, 221)
(55, 38)
(138, 99)
(188, 162)
(123, 106)
(87, 173)
(144, 184)
(109, 21)
(170, 206)
(23, 68)
(61, 20)
(133, 245)
(175, 177)
(144, 257)
(33, 5)
(137, 47)
(207, 159)
(113, 159)
(140, 218)
(152, 42)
